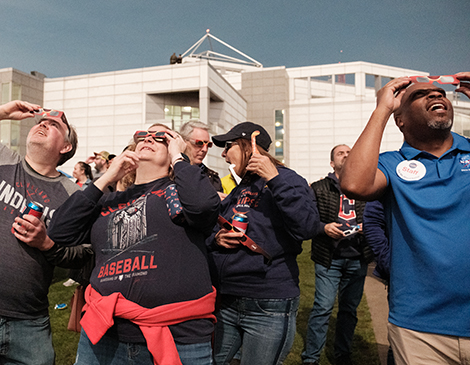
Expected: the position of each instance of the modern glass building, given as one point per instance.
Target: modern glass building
(306, 110)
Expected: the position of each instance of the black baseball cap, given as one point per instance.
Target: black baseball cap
(244, 130)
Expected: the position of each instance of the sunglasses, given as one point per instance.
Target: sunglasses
(40, 114)
(139, 136)
(200, 143)
(244, 240)
(229, 145)
(445, 79)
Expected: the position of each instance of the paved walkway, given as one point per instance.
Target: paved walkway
(376, 295)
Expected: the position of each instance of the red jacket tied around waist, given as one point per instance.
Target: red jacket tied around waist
(153, 322)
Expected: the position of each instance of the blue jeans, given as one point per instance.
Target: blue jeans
(345, 277)
(26, 341)
(109, 351)
(265, 328)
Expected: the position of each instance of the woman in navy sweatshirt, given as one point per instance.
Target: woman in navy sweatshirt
(150, 298)
(258, 284)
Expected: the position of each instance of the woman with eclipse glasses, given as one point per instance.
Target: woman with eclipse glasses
(150, 299)
(256, 273)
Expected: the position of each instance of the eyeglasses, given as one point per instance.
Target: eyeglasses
(200, 143)
(139, 136)
(244, 240)
(51, 113)
(445, 79)
(229, 144)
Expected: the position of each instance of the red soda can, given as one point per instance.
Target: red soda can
(240, 221)
(33, 208)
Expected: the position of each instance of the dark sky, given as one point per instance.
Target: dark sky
(63, 38)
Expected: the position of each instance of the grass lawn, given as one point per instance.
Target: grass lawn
(364, 345)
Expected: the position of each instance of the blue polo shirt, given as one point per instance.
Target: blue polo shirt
(427, 209)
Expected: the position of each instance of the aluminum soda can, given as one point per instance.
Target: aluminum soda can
(240, 221)
(33, 208)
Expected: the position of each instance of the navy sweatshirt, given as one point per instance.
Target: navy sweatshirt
(140, 251)
(281, 214)
(375, 234)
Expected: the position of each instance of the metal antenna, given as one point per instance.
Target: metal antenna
(211, 55)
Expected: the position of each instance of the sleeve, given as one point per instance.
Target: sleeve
(383, 165)
(200, 201)
(69, 257)
(374, 233)
(71, 223)
(294, 199)
(8, 156)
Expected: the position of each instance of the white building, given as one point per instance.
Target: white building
(306, 110)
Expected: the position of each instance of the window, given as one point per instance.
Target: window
(15, 92)
(5, 93)
(179, 115)
(279, 135)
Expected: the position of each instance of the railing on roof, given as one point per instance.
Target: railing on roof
(215, 56)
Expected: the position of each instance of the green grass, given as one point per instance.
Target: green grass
(364, 345)
(65, 342)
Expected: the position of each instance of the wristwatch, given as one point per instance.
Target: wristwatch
(180, 157)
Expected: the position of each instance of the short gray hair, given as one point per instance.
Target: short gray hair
(188, 127)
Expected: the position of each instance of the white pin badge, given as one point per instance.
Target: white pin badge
(411, 170)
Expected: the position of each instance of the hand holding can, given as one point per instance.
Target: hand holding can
(240, 221)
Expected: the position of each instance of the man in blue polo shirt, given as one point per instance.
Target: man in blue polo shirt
(425, 187)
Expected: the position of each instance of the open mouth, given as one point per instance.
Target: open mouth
(438, 106)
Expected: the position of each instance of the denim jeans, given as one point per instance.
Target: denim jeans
(346, 278)
(265, 328)
(109, 351)
(26, 341)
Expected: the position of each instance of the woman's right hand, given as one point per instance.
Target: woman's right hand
(126, 162)
(228, 238)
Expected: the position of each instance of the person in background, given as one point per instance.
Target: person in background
(25, 272)
(83, 175)
(197, 139)
(230, 181)
(341, 256)
(258, 281)
(150, 298)
(425, 192)
(101, 161)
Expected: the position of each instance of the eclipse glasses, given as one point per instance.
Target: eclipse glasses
(244, 240)
(44, 113)
(139, 136)
(444, 79)
(200, 143)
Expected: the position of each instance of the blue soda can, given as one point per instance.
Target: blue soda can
(33, 208)
(240, 221)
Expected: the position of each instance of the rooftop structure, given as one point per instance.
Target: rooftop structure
(306, 110)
